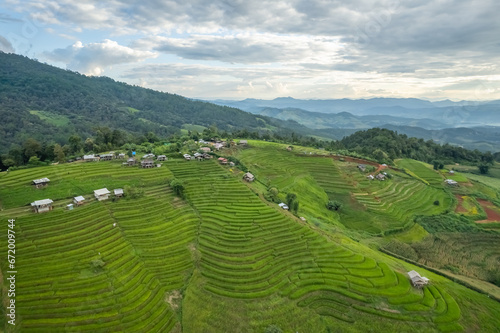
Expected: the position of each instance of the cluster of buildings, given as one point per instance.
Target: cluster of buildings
(381, 176)
(45, 205)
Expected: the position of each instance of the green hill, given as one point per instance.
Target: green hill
(223, 259)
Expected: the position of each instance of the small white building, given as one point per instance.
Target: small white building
(42, 206)
(451, 182)
(162, 158)
(79, 200)
(187, 157)
(283, 205)
(248, 177)
(102, 194)
(370, 177)
(417, 280)
(118, 192)
(106, 157)
(41, 182)
(91, 158)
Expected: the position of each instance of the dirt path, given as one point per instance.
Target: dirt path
(492, 214)
(460, 208)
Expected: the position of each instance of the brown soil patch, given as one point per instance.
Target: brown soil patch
(173, 298)
(492, 214)
(460, 208)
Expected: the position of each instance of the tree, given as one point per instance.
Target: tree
(295, 206)
(59, 153)
(8, 162)
(32, 148)
(483, 169)
(290, 198)
(333, 205)
(178, 187)
(75, 143)
(89, 145)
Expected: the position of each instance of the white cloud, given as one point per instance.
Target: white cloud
(93, 58)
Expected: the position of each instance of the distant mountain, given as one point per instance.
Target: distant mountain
(445, 113)
(51, 104)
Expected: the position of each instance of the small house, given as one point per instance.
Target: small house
(222, 160)
(206, 149)
(231, 164)
(248, 177)
(121, 156)
(187, 157)
(243, 142)
(80, 200)
(362, 167)
(196, 155)
(451, 172)
(380, 176)
(69, 207)
(131, 161)
(417, 280)
(102, 194)
(106, 157)
(42, 206)
(162, 158)
(118, 192)
(283, 205)
(149, 156)
(91, 158)
(218, 146)
(41, 182)
(451, 182)
(146, 164)
(207, 156)
(370, 177)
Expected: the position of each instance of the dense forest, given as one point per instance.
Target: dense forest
(50, 104)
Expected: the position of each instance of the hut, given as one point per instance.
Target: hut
(370, 177)
(232, 164)
(102, 194)
(80, 200)
(41, 182)
(248, 177)
(222, 160)
(451, 172)
(118, 192)
(41, 206)
(187, 157)
(380, 176)
(283, 205)
(106, 157)
(362, 167)
(207, 156)
(417, 280)
(121, 156)
(91, 158)
(131, 161)
(162, 158)
(146, 164)
(289, 148)
(451, 182)
(69, 207)
(243, 142)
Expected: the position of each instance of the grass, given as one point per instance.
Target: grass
(421, 170)
(51, 118)
(238, 263)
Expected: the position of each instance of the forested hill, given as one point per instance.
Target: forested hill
(48, 103)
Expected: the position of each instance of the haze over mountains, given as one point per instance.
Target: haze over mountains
(471, 124)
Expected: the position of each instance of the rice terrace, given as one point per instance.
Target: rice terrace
(222, 256)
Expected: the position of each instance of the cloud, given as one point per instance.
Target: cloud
(5, 45)
(246, 48)
(93, 58)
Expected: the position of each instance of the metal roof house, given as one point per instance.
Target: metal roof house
(106, 157)
(102, 194)
(283, 205)
(417, 280)
(121, 155)
(80, 200)
(42, 206)
(118, 192)
(41, 182)
(91, 158)
(147, 164)
(451, 182)
(131, 161)
(248, 177)
(162, 158)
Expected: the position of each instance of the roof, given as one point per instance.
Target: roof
(42, 202)
(102, 191)
(107, 155)
(413, 274)
(79, 198)
(131, 159)
(451, 181)
(121, 154)
(41, 180)
(118, 191)
(243, 141)
(159, 156)
(86, 157)
(147, 162)
(249, 175)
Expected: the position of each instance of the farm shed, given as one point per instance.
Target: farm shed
(91, 158)
(102, 194)
(218, 146)
(118, 192)
(80, 200)
(417, 280)
(187, 157)
(147, 164)
(207, 156)
(162, 158)
(283, 205)
(41, 182)
(370, 177)
(362, 167)
(149, 156)
(106, 157)
(121, 155)
(231, 164)
(243, 142)
(451, 182)
(222, 160)
(248, 177)
(41, 206)
(451, 172)
(131, 161)
(380, 176)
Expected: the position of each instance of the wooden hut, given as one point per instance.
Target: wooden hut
(102, 194)
(41, 206)
(41, 182)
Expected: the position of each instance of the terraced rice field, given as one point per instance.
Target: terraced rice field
(221, 261)
(422, 170)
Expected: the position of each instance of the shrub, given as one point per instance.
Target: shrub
(436, 203)
(333, 205)
(178, 187)
(273, 329)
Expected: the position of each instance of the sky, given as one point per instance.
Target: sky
(237, 49)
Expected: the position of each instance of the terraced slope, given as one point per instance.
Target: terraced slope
(422, 170)
(250, 251)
